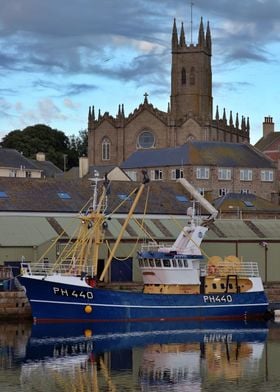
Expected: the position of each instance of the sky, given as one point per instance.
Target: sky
(58, 57)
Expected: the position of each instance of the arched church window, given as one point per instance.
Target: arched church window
(146, 140)
(192, 76)
(184, 77)
(106, 149)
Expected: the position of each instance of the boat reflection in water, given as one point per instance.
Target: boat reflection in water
(138, 356)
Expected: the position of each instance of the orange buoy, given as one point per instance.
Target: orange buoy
(88, 333)
(88, 309)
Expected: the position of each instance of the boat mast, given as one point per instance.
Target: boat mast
(137, 197)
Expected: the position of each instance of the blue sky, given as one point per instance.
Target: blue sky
(59, 57)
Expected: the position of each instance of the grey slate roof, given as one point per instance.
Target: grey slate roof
(263, 143)
(41, 195)
(48, 168)
(14, 159)
(200, 153)
(243, 201)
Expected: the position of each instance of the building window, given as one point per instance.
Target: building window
(201, 191)
(63, 195)
(202, 173)
(223, 191)
(156, 175)
(267, 175)
(246, 175)
(28, 174)
(184, 78)
(224, 174)
(245, 191)
(146, 140)
(177, 173)
(106, 150)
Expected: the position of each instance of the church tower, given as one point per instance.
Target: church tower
(191, 76)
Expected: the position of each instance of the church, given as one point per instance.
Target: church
(189, 115)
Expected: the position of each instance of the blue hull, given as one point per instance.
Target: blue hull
(104, 337)
(56, 302)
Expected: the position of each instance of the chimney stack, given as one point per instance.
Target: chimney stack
(268, 126)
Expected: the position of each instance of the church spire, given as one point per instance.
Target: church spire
(248, 124)
(230, 119)
(201, 38)
(182, 36)
(217, 113)
(208, 38)
(174, 35)
(237, 121)
(89, 113)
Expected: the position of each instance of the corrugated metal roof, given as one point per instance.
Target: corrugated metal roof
(270, 228)
(25, 231)
(235, 229)
(34, 231)
(200, 153)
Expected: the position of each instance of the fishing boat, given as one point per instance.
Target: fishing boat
(179, 281)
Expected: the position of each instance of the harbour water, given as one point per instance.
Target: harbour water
(225, 356)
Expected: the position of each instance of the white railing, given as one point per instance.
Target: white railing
(151, 246)
(246, 269)
(66, 268)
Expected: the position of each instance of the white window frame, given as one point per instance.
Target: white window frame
(246, 174)
(201, 191)
(177, 173)
(223, 191)
(245, 191)
(224, 174)
(267, 175)
(202, 173)
(106, 149)
(156, 175)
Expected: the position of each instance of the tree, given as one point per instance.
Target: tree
(77, 148)
(55, 144)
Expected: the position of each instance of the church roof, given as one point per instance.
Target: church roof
(200, 153)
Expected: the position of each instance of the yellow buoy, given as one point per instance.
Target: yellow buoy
(88, 309)
(88, 333)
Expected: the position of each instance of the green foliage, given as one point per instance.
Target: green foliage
(58, 148)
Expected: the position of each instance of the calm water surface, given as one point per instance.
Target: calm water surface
(140, 357)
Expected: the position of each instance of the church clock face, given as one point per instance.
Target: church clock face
(146, 140)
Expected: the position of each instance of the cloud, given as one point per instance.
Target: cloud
(68, 103)
(64, 49)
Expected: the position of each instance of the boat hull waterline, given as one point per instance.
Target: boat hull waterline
(55, 302)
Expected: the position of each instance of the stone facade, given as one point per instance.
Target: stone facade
(213, 185)
(189, 116)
